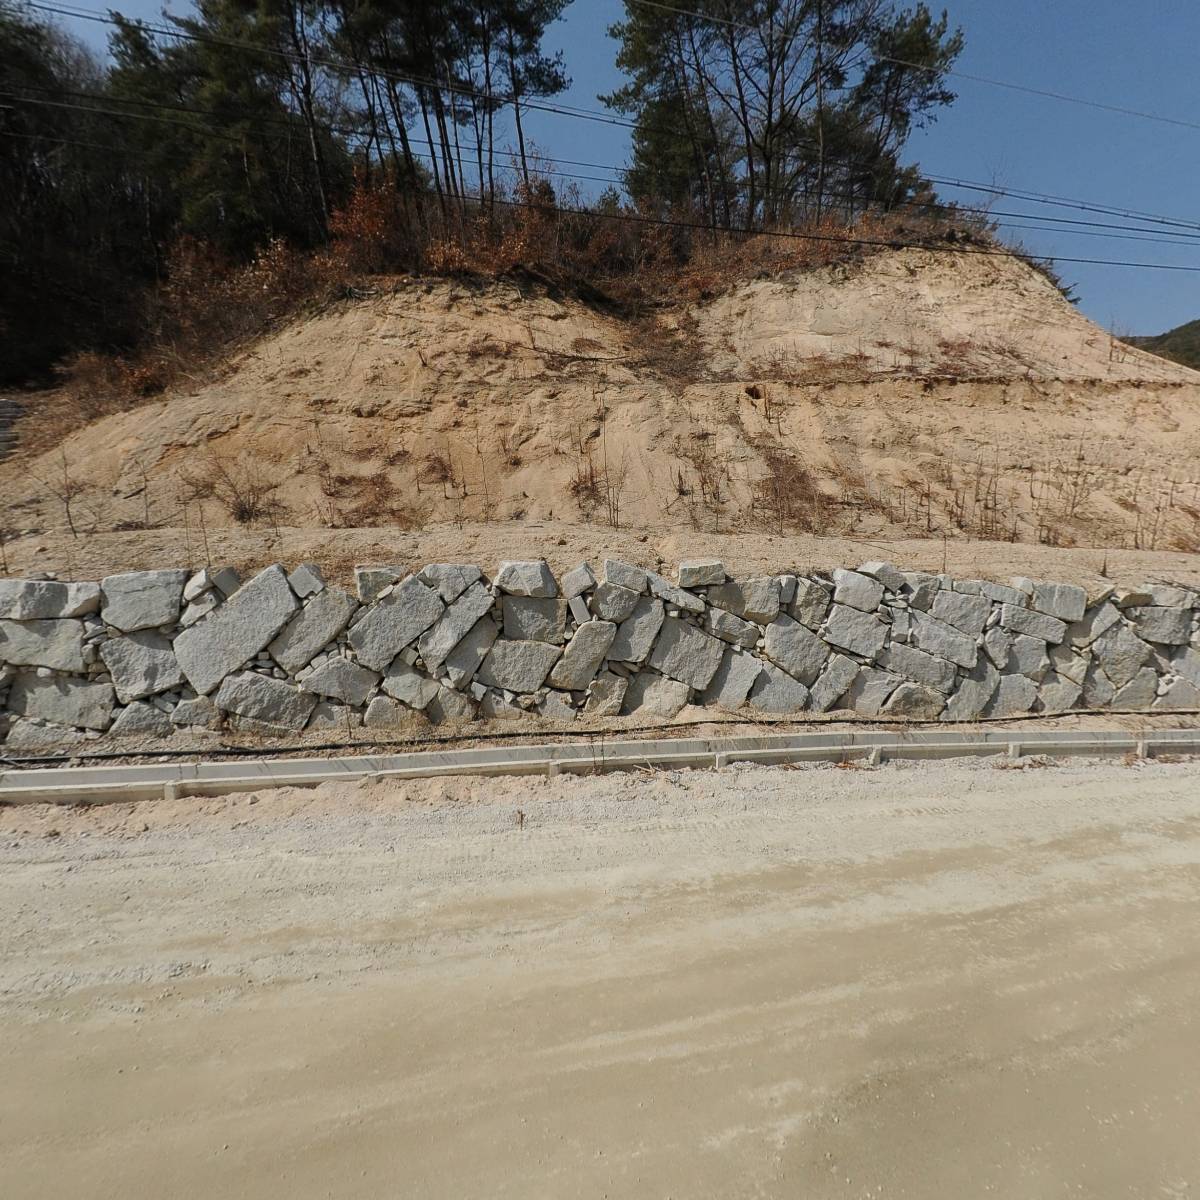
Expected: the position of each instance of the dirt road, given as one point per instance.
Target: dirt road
(948, 981)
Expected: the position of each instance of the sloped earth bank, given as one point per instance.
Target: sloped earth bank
(911, 394)
(950, 980)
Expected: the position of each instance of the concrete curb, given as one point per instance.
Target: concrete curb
(100, 785)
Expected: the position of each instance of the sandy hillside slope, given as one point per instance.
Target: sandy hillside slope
(912, 393)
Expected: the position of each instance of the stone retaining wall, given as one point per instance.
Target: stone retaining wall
(149, 652)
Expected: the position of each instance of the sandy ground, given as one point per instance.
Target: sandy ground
(565, 544)
(910, 394)
(932, 981)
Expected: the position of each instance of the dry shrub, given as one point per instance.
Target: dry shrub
(237, 486)
(787, 496)
(205, 305)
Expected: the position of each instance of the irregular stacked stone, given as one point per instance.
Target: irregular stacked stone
(148, 652)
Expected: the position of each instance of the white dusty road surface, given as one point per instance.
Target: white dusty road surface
(924, 981)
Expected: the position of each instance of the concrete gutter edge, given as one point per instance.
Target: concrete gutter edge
(115, 784)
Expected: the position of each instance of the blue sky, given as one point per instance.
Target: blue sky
(1139, 56)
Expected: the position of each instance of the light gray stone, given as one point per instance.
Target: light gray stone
(579, 610)
(775, 691)
(787, 588)
(329, 717)
(857, 591)
(531, 619)
(998, 593)
(142, 599)
(853, 630)
(531, 578)
(751, 599)
(914, 702)
(732, 680)
(199, 608)
(625, 575)
(971, 697)
(833, 683)
(1166, 595)
(810, 603)
(493, 706)
(1132, 597)
(651, 695)
(1098, 690)
(557, 706)
(463, 661)
(1015, 694)
(796, 649)
(734, 630)
(1058, 694)
(1163, 626)
(1186, 662)
(450, 580)
(43, 599)
(371, 582)
(701, 572)
(1121, 653)
(141, 720)
(1066, 601)
(1029, 657)
(197, 713)
(56, 644)
(1140, 692)
(966, 613)
(887, 574)
(686, 653)
(578, 581)
(944, 641)
(921, 589)
(606, 695)
(30, 737)
(1070, 665)
(341, 679)
(611, 602)
(518, 666)
(1178, 694)
(385, 713)
(141, 664)
(403, 682)
(306, 580)
(450, 707)
(1093, 623)
(63, 701)
(226, 580)
(197, 585)
(674, 596)
(312, 628)
(437, 642)
(636, 634)
(233, 634)
(394, 621)
(870, 690)
(583, 655)
(997, 643)
(262, 698)
(1035, 624)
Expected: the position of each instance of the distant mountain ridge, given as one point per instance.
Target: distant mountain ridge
(1181, 344)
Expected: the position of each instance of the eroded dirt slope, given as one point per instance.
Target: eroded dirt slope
(913, 393)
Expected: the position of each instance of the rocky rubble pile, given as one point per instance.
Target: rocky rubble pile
(147, 652)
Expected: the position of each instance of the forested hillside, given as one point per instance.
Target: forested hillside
(1181, 344)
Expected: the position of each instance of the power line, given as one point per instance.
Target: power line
(1044, 93)
(942, 181)
(740, 231)
(918, 205)
(589, 114)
